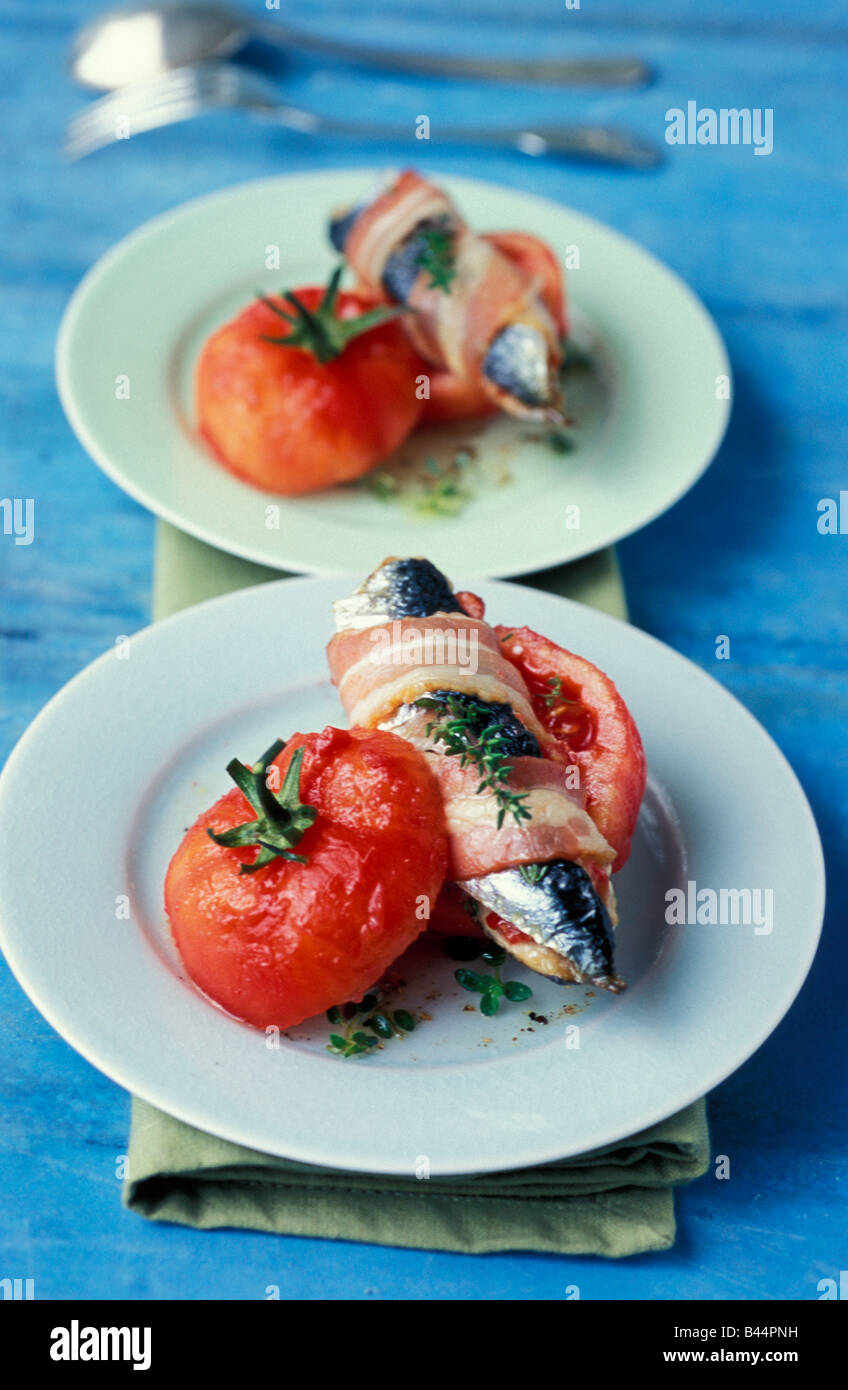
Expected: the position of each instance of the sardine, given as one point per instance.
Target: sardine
(517, 362)
(555, 903)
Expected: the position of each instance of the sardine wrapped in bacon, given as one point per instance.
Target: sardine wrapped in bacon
(477, 312)
(521, 842)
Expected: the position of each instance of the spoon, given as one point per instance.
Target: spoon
(143, 41)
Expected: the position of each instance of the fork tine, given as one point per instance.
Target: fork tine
(177, 95)
(128, 99)
(76, 146)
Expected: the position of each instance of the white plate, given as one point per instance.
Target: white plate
(95, 798)
(648, 419)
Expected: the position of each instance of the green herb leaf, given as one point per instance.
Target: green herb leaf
(367, 1014)
(515, 991)
(560, 442)
(490, 1003)
(437, 256)
(470, 980)
(533, 873)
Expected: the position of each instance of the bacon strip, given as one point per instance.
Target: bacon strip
(559, 827)
(454, 329)
(375, 675)
(384, 224)
(371, 667)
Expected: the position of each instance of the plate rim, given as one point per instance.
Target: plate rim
(315, 565)
(121, 1073)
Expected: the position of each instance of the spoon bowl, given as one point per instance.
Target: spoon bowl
(144, 41)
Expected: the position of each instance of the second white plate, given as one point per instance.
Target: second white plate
(649, 416)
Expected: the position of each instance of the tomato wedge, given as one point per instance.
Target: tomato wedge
(584, 712)
(537, 259)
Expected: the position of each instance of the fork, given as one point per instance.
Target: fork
(185, 92)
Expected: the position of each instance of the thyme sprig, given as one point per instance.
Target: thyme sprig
(281, 817)
(491, 988)
(437, 256)
(556, 700)
(469, 734)
(371, 1013)
(533, 873)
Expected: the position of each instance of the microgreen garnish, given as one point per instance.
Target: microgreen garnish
(560, 442)
(557, 699)
(533, 873)
(470, 735)
(437, 256)
(281, 818)
(555, 682)
(491, 988)
(430, 489)
(320, 331)
(371, 1013)
(574, 357)
(383, 485)
(436, 488)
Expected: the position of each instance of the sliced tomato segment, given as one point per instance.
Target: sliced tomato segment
(537, 259)
(584, 712)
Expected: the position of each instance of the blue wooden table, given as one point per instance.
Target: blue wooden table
(760, 239)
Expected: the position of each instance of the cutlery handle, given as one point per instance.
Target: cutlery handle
(599, 144)
(575, 72)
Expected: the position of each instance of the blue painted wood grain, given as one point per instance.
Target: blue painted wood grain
(763, 241)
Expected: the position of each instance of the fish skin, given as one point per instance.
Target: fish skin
(340, 226)
(403, 267)
(517, 362)
(562, 911)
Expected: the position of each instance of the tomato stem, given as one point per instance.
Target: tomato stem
(320, 331)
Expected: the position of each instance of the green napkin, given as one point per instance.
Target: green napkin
(613, 1201)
